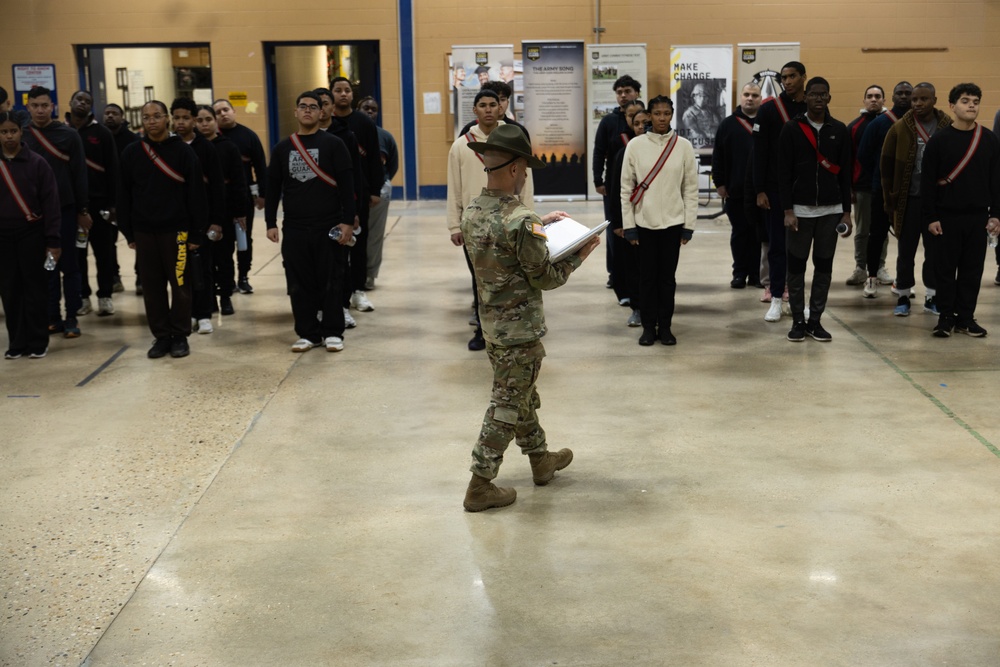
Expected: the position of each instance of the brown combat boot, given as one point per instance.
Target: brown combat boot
(482, 495)
(544, 465)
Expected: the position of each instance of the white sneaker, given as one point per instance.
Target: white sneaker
(773, 311)
(360, 302)
(205, 326)
(105, 306)
(302, 345)
(871, 288)
(86, 308)
(896, 291)
(634, 320)
(349, 321)
(883, 277)
(859, 276)
(333, 343)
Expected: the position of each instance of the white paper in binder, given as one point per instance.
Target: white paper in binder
(567, 236)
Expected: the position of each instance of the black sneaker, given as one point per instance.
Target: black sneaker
(797, 333)
(477, 343)
(970, 328)
(944, 327)
(667, 338)
(179, 347)
(738, 283)
(161, 346)
(13, 354)
(648, 337)
(816, 330)
(243, 285)
(226, 305)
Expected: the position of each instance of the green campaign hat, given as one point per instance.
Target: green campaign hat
(508, 139)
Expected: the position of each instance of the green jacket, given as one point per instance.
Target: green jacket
(506, 244)
(899, 152)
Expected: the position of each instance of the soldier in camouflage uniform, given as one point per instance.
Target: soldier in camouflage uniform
(506, 244)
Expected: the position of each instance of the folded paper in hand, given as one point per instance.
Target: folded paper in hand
(567, 236)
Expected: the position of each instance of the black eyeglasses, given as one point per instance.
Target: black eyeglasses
(308, 107)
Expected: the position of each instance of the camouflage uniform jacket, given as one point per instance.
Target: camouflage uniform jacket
(506, 243)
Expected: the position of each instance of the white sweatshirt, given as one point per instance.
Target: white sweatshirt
(466, 178)
(672, 198)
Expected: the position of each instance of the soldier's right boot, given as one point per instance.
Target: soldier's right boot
(482, 494)
(545, 464)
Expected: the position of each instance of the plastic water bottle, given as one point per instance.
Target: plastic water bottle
(81, 237)
(335, 235)
(214, 235)
(842, 228)
(241, 238)
(50, 261)
(991, 240)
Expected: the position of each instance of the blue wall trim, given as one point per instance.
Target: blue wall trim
(433, 192)
(407, 75)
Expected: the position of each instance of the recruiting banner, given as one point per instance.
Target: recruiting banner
(470, 68)
(554, 115)
(700, 88)
(761, 63)
(605, 63)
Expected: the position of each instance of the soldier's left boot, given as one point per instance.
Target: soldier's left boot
(545, 464)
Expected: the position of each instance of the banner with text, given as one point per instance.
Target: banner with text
(761, 63)
(470, 68)
(605, 63)
(554, 115)
(700, 79)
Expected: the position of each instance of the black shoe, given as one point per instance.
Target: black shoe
(944, 327)
(57, 328)
(667, 338)
(161, 346)
(610, 284)
(179, 347)
(755, 282)
(477, 343)
(738, 283)
(648, 337)
(13, 354)
(243, 285)
(970, 328)
(797, 333)
(226, 305)
(816, 330)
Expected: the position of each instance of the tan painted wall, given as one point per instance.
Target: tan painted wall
(832, 35)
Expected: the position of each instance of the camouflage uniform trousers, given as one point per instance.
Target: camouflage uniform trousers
(511, 414)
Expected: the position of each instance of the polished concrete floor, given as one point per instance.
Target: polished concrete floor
(735, 500)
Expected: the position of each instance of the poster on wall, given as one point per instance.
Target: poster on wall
(27, 77)
(555, 116)
(700, 88)
(605, 63)
(761, 63)
(470, 68)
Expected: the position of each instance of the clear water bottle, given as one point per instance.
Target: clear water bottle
(50, 261)
(214, 235)
(991, 240)
(335, 235)
(81, 237)
(241, 238)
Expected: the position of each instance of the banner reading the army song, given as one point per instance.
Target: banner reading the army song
(605, 63)
(470, 68)
(761, 64)
(700, 88)
(554, 116)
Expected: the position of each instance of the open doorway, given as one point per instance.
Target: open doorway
(130, 75)
(294, 67)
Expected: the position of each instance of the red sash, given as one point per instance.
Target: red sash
(921, 132)
(746, 125)
(964, 162)
(891, 116)
(96, 167)
(640, 190)
(469, 139)
(47, 145)
(624, 138)
(8, 178)
(826, 164)
(781, 109)
(327, 178)
(163, 166)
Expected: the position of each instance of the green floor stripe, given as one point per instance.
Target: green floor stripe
(906, 376)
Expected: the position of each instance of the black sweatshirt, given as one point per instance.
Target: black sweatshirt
(232, 175)
(975, 190)
(254, 162)
(766, 131)
(211, 169)
(366, 132)
(607, 142)
(802, 180)
(151, 201)
(340, 129)
(71, 175)
(99, 147)
(124, 138)
(37, 185)
(733, 143)
(308, 201)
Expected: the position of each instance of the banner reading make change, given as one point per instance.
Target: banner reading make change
(471, 67)
(554, 115)
(700, 87)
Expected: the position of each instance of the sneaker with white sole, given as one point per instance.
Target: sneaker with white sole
(105, 306)
(871, 288)
(634, 320)
(930, 306)
(349, 321)
(333, 343)
(360, 302)
(38, 354)
(86, 308)
(859, 276)
(773, 311)
(970, 328)
(205, 326)
(303, 345)
(902, 308)
(883, 277)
